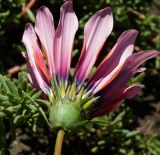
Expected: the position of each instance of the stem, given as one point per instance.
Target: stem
(59, 141)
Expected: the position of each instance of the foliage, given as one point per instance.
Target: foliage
(22, 105)
(11, 29)
(110, 134)
(18, 105)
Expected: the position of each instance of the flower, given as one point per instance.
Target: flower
(73, 101)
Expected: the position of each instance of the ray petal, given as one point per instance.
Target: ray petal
(113, 62)
(45, 30)
(30, 41)
(64, 39)
(96, 31)
(116, 90)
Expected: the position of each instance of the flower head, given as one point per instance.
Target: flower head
(75, 100)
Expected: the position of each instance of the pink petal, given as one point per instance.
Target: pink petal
(96, 31)
(128, 93)
(131, 91)
(105, 110)
(41, 64)
(114, 61)
(45, 30)
(141, 69)
(30, 41)
(32, 76)
(64, 38)
(116, 91)
(128, 70)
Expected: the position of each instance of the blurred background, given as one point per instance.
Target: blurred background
(135, 128)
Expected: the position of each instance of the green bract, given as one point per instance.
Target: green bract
(64, 115)
(68, 106)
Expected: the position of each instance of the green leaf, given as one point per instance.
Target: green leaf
(44, 102)
(22, 81)
(56, 88)
(13, 108)
(17, 120)
(118, 118)
(3, 98)
(30, 15)
(12, 87)
(37, 95)
(5, 86)
(2, 114)
(138, 78)
(132, 134)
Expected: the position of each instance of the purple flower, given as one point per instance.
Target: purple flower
(108, 86)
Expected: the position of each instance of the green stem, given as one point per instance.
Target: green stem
(59, 142)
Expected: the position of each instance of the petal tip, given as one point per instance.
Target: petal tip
(154, 53)
(131, 33)
(134, 32)
(27, 30)
(132, 91)
(42, 9)
(67, 5)
(106, 11)
(28, 26)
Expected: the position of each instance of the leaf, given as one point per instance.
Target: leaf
(44, 102)
(30, 15)
(56, 88)
(22, 81)
(3, 98)
(118, 118)
(2, 114)
(37, 95)
(17, 120)
(12, 87)
(138, 78)
(5, 86)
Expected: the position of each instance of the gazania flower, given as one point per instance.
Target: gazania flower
(49, 54)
